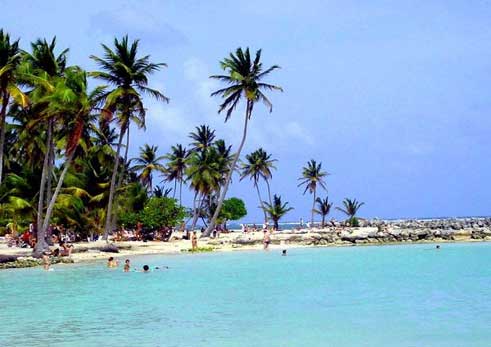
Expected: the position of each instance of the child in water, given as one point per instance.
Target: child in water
(126, 265)
(112, 263)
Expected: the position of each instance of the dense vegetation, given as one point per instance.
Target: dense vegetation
(64, 147)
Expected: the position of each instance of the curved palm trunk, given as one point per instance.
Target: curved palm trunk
(3, 126)
(50, 173)
(41, 242)
(313, 207)
(107, 227)
(213, 221)
(42, 229)
(261, 203)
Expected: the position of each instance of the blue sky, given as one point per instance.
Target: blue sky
(392, 96)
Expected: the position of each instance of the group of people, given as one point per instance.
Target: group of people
(113, 263)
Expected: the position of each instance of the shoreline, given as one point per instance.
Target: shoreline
(86, 252)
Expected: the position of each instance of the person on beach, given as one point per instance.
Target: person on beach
(266, 239)
(194, 241)
(126, 265)
(112, 263)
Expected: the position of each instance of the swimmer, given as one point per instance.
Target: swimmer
(283, 252)
(112, 263)
(126, 265)
(437, 246)
(146, 268)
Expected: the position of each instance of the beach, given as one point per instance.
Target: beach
(401, 232)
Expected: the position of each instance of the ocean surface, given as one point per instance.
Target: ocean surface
(383, 296)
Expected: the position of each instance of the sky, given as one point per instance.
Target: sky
(393, 97)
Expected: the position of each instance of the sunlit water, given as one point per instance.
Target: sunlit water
(397, 296)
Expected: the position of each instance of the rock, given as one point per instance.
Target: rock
(7, 258)
(110, 248)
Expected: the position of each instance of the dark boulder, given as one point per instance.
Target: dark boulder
(7, 258)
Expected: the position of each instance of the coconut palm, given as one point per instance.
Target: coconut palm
(128, 75)
(350, 208)
(204, 178)
(244, 82)
(323, 208)
(203, 138)
(312, 176)
(10, 58)
(277, 210)
(161, 192)
(176, 167)
(147, 163)
(44, 72)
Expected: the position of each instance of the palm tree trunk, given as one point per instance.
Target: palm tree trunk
(3, 126)
(50, 172)
(269, 192)
(323, 220)
(196, 214)
(180, 192)
(41, 243)
(261, 203)
(313, 207)
(121, 174)
(175, 189)
(107, 227)
(229, 174)
(52, 202)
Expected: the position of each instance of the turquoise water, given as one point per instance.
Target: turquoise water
(404, 296)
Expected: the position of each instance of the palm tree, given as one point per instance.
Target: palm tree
(324, 207)
(350, 209)
(147, 163)
(277, 210)
(204, 177)
(312, 175)
(10, 58)
(202, 138)
(244, 82)
(128, 74)
(176, 167)
(161, 192)
(44, 72)
(71, 99)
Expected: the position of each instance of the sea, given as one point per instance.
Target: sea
(374, 296)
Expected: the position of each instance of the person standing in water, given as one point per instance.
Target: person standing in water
(194, 241)
(46, 262)
(266, 239)
(126, 265)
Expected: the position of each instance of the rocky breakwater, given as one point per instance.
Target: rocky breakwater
(378, 232)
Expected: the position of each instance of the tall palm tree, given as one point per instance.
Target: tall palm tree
(71, 99)
(277, 210)
(44, 72)
(258, 165)
(147, 163)
(10, 58)
(203, 138)
(323, 208)
(128, 75)
(176, 167)
(244, 82)
(351, 207)
(312, 176)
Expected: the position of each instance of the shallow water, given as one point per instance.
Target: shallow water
(405, 296)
